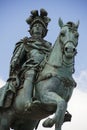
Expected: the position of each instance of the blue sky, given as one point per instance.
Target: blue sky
(13, 28)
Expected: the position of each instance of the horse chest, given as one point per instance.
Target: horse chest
(65, 91)
(65, 71)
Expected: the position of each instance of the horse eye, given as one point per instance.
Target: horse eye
(62, 34)
(76, 35)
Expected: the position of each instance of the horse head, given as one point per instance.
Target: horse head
(68, 38)
(63, 51)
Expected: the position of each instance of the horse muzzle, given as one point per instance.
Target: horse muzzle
(70, 50)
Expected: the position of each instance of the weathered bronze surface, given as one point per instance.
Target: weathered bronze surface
(40, 80)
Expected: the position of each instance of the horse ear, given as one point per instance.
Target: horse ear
(60, 22)
(77, 24)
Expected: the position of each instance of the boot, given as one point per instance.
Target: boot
(28, 88)
(8, 99)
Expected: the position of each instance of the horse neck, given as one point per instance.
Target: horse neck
(55, 58)
(57, 63)
(68, 61)
(67, 68)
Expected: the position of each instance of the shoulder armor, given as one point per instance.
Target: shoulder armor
(18, 45)
(49, 43)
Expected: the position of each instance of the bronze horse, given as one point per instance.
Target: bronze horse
(53, 88)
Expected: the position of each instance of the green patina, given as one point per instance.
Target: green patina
(41, 80)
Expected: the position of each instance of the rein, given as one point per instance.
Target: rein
(69, 41)
(55, 66)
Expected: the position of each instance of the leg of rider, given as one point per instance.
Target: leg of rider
(28, 86)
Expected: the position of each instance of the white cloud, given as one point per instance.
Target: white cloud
(81, 80)
(77, 105)
(2, 82)
(78, 108)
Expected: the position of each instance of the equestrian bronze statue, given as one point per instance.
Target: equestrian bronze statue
(50, 70)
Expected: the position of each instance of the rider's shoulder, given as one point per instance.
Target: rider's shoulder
(48, 43)
(21, 41)
(19, 44)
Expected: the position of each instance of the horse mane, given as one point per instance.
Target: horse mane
(58, 49)
(71, 25)
(54, 61)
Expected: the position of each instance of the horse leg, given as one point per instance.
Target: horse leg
(4, 124)
(31, 124)
(52, 97)
(58, 125)
(26, 125)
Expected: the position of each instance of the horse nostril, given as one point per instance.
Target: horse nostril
(70, 49)
(74, 50)
(66, 48)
